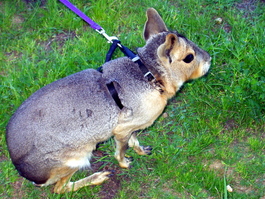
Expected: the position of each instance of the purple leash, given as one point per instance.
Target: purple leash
(92, 24)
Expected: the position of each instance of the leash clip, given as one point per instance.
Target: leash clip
(109, 38)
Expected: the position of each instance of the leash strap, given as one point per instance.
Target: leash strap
(92, 24)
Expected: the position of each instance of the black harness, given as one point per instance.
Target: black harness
(115, 43)
(135, 58)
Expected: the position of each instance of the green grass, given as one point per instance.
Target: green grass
(213, 135)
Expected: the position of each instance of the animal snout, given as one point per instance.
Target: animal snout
(206, 66)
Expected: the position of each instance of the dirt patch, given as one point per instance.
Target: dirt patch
(219, 167)
(3, 158)
(248, 6)
(18, 190)
(230, 125)
(111, 187)
(229, 172)
(33, 2)
(59, 38)
(11, 56)
(17, 20)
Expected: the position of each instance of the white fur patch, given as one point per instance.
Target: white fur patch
(79, 162)
(206, 67)
(179, 84)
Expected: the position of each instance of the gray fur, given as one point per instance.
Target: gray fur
(59, 117)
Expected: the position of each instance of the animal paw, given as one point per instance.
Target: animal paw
(100, 177)
(143, 150)
(126, 162)
(147, 150)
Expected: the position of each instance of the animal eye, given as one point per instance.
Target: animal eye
(188, 58)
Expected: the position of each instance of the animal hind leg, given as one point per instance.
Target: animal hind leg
(140, 150)
(64, 185)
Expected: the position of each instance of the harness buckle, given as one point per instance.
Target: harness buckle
(109, 38)
(149, 76)
(136, 58)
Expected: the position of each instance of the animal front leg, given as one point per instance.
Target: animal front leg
(121, 147)
(140, 150)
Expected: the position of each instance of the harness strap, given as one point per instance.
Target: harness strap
(135, 58)
(112, 48)
(114, 94)
(144, 70)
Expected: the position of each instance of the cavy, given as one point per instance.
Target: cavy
(53, 133)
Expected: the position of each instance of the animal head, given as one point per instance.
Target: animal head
(180, 58)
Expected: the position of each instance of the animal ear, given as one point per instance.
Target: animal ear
(166, 50)
(154, 24)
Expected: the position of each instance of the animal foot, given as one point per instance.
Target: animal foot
(100, 177)
(143, 150)
(126, 162)
(147, 150)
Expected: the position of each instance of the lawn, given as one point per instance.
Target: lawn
(211, 134)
